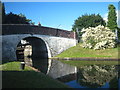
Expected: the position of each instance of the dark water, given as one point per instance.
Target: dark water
(87, 76)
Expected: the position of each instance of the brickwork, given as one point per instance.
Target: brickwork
(32, 29)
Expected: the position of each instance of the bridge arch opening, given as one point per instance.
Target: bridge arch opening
(34, 52)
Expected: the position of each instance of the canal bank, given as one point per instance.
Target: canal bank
(86, 59)
(71, 75)
(14, 77)
(79, 53)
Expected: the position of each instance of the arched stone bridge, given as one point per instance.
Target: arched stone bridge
(44, 41)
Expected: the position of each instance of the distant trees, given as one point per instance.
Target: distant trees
(11, 18)
(112, 18)
(86, 21)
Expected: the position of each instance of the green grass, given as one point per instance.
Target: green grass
(13, 66)
(78, 51)
(81, 63)
(13, 77)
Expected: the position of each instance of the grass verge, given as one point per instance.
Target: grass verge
(13, 77)
(78, 51)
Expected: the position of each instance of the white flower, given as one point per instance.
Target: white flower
(99, 37)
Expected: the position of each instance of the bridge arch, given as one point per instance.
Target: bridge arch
(32, 46)
(35, 52)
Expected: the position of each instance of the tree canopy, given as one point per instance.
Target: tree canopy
(3, 12)
(12, 18)
(112, 18)
(86, 21)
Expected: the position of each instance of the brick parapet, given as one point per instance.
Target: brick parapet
(32, 29)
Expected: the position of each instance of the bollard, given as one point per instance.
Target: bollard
(22, 65)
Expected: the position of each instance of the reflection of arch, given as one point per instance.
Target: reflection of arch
(33, 50)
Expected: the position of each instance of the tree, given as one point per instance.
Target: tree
(118, 34)
(17, 19)
(86, 21)
(112, 18)
(3, 12)
(12, 18)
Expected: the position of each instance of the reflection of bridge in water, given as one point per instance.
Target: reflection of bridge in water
(86, 76)
(53, 68)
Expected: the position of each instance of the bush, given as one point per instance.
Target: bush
(99, 37)
(118, 33)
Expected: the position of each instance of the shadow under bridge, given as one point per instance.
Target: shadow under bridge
(33, 51)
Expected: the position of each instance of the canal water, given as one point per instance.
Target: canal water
(85, 76)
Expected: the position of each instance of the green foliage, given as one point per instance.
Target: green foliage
(112, 18)
(11, 18)
(86, 21)
(118, 33)
(3, 13)
(16, 19)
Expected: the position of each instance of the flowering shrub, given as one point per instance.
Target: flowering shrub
(99, 37)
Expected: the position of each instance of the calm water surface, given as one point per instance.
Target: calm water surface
(87, 76)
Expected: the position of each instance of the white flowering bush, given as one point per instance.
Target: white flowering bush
(99, 37)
